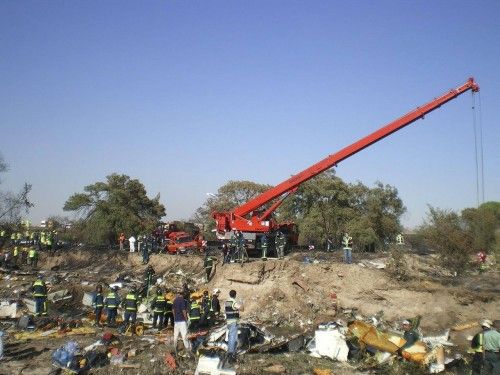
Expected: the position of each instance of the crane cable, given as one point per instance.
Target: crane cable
(478, 150)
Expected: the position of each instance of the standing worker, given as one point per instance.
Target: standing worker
(169, 314)
(263, 246)
(149, 276)
(347, 242)
(145, 250)
(280, 243)
(159, 305)
(33, 257)
(485, 345)
(179, 309)
(216, 302)
(232, 309)
(112, 302)
(194, 315)
(15, 255)
(40, 295)
(131, 242)
(130, 304)
(121, 240)
(98, 304)
(208, 264)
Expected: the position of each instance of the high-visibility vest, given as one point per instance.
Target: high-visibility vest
(16, 251)
(19, 236)
(111, 300)
(98, 300)
(32, 235)
(232, 314)
(194, 311)
(13, 236)
(480, 347)
(131, 302)
(39, 289)
(2, 233)
(209, 262)
(32, 253)
(160, 304)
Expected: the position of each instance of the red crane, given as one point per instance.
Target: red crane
(250, 217)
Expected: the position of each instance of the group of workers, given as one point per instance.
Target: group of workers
(18, 256)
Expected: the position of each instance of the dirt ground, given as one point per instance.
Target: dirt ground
(283, 296)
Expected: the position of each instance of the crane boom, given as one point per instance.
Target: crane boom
(236, 219)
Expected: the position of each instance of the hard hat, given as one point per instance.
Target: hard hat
(216, 291)
(486, 323)
(39, 277)
(406, 322)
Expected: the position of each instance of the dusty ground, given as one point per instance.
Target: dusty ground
(285, 296)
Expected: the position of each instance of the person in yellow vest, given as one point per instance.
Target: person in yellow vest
(3, 237)
(42, 238)
(194, 315)
(130, 304)
(33, 257)
(15, 254)
(49, 240)
(13, 238)
(19, 237)
(159, 306)
(485, 345)
(40, 295)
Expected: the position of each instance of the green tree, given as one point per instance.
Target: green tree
(229, 196)
(118, 205)
(326, 207)
(445, 232)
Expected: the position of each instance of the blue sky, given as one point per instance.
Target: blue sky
(186, 95)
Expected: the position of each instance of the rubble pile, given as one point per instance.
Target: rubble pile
(305, 314)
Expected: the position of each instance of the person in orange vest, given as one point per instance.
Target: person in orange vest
(121, 240)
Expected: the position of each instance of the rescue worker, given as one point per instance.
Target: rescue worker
(194, 315)
(225, 253)
(159, 306)
(111, 303)
(98, 304)
(121, 240)
(33, 257)
(263, 246)
(280, 243)
(233, 244)
(347, 242)
(13, 239)
(149, 280)
(130, 304)
(39, 290)
(145, 250)
(485, 345)
(49, 241)
(206, 310)
(24, 256)
(15, 255)
(232, 309)
(208, 264)
(216, 302)
(3, 237)
(169, 315)
(19, 237)
(410, 335)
